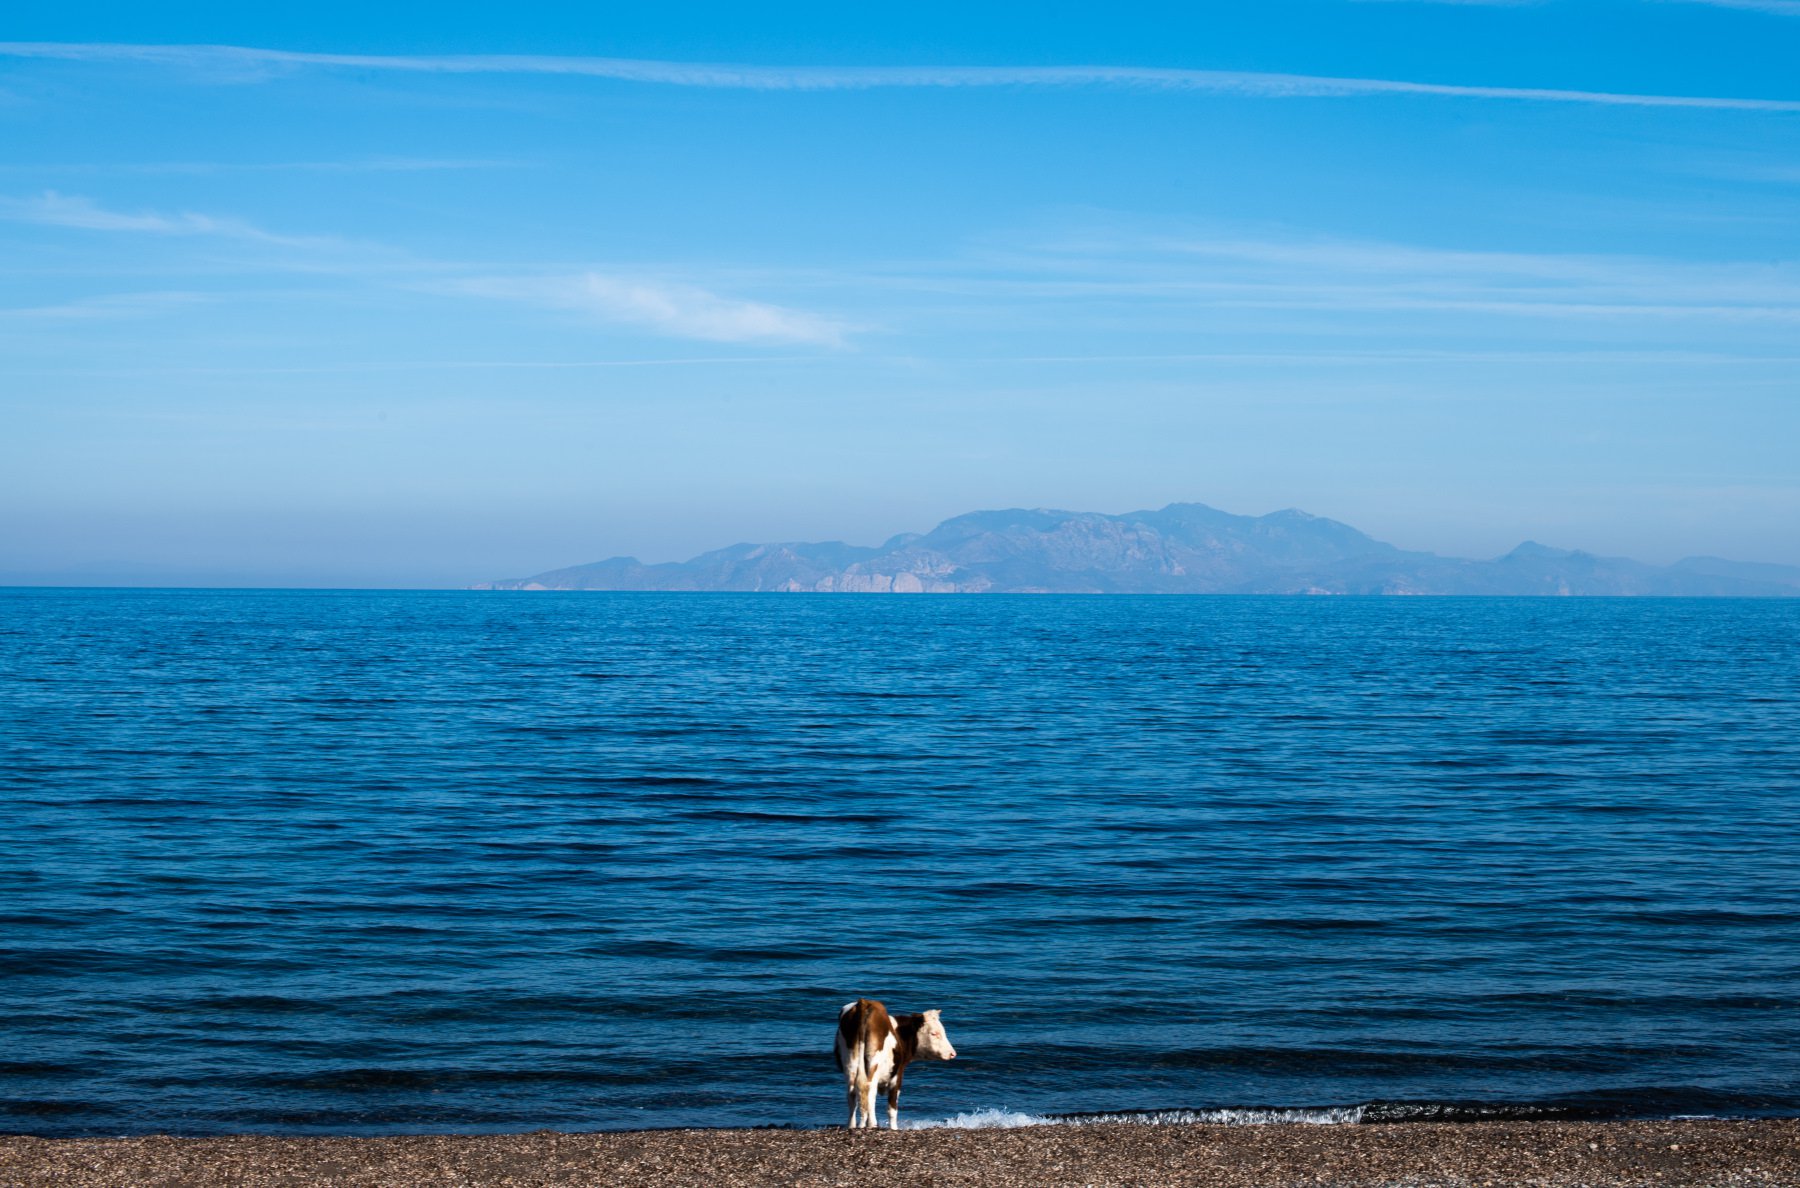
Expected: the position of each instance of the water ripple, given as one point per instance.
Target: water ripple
(335, 861)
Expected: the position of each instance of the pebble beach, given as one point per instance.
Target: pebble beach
(1711, 1153)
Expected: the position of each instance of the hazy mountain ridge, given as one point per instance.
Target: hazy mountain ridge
(1184, 548)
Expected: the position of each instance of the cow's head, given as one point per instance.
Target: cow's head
(933, 1043)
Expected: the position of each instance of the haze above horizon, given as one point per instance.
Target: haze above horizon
(333, 298)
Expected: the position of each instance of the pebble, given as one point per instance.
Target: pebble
(1688, 1152)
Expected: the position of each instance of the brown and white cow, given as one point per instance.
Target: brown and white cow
(873, 1050)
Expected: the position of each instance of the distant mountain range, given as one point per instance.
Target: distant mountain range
(1186, 548)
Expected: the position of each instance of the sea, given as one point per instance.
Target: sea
(334, 862)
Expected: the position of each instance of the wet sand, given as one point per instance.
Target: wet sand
(1413, 1155)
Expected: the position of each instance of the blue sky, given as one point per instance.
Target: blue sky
(459, 292)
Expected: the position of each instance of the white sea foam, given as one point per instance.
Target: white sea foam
(991, 1119)
(1003, 1119)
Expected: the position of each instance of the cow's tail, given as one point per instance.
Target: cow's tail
(865, 1052)
(859, 1065)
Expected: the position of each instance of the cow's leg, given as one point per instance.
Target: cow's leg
(868, 1105)
(894, 1107)
(851, 1097)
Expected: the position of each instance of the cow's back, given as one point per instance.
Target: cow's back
(866, 1036)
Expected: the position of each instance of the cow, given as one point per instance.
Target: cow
(873, 1050)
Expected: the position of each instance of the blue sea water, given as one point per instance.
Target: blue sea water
(373, 862)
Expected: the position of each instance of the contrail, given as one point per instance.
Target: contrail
(260, 63)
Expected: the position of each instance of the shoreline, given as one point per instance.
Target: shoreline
(1534, 1154)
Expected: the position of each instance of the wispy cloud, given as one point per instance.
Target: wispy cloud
(672, 308)
(244, 63)
(675, 309)
(412, 365)
(1780, 7)
(1783, 7)
(108, 307)
(52, 209)
(1758, 169)
(1106, 273)
(1426, 357)
(366, 165)
(1194, 272)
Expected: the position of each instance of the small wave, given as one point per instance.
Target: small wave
(992, 1119)
(1246, 1116)
(1001, 1119)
